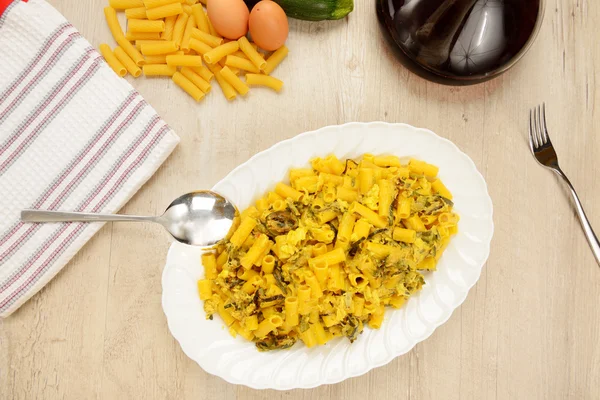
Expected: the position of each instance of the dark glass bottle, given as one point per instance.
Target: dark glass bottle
(460, 42)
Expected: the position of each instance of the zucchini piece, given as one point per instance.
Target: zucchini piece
(313, 10)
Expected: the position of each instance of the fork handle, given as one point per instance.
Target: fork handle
(585, 223)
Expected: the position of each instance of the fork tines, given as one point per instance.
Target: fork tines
(538, 134)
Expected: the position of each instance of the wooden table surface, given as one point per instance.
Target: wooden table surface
(529, 329)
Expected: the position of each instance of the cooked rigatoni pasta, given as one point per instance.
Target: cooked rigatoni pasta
(301, 265)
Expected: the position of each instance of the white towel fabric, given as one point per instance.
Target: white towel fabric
(73, 136)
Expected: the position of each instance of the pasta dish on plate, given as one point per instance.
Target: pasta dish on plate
(322, 257)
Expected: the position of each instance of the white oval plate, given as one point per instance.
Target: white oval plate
(237, 360)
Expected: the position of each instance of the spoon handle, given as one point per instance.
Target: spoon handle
(60, 216)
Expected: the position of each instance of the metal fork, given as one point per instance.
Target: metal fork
(544, 153)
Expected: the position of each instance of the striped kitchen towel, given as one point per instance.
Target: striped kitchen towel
(73, 136)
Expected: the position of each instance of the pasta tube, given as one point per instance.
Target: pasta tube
(243, 231)
(144, 25)
(112, 60)
(234, 81)
(404, 235)
(241, 63)
(136, 13)
(187, 33)
(264, 80)
(131, 66)
(252, 256)
(226, 87)
(268, 325)
(275, 59)
(369, 215)
(158, 70)
(251, 53)
(204, 289)
(167, 10)
(223, 50)
(201, 18)
(187, 86)
(184, 61)
(196, 79)
(125, 4)
(158, 3)
(206, 38)
(169, 27)
(203, 72)
(291, 311)
(134, 36)
(113, 23)
(179, 28)
(159, 48)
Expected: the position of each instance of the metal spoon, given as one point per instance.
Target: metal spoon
(199, 218)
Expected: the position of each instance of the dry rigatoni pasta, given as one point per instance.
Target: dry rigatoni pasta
(234, 81)
(175, 38)
(168, 10)
(264, 80)
(196, 79)
(131, 66)
(158, 70)
(188, 86)
(112, 60)
(145, 25)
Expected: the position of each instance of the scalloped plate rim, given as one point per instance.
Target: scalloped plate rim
(391, 355)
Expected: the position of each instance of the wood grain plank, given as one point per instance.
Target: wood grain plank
(530, 328)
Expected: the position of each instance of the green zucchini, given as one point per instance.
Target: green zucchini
(315, 10)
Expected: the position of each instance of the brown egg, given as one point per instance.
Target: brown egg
(268, 25)
(228, 17)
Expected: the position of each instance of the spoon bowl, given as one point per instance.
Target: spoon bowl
(200, 218)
